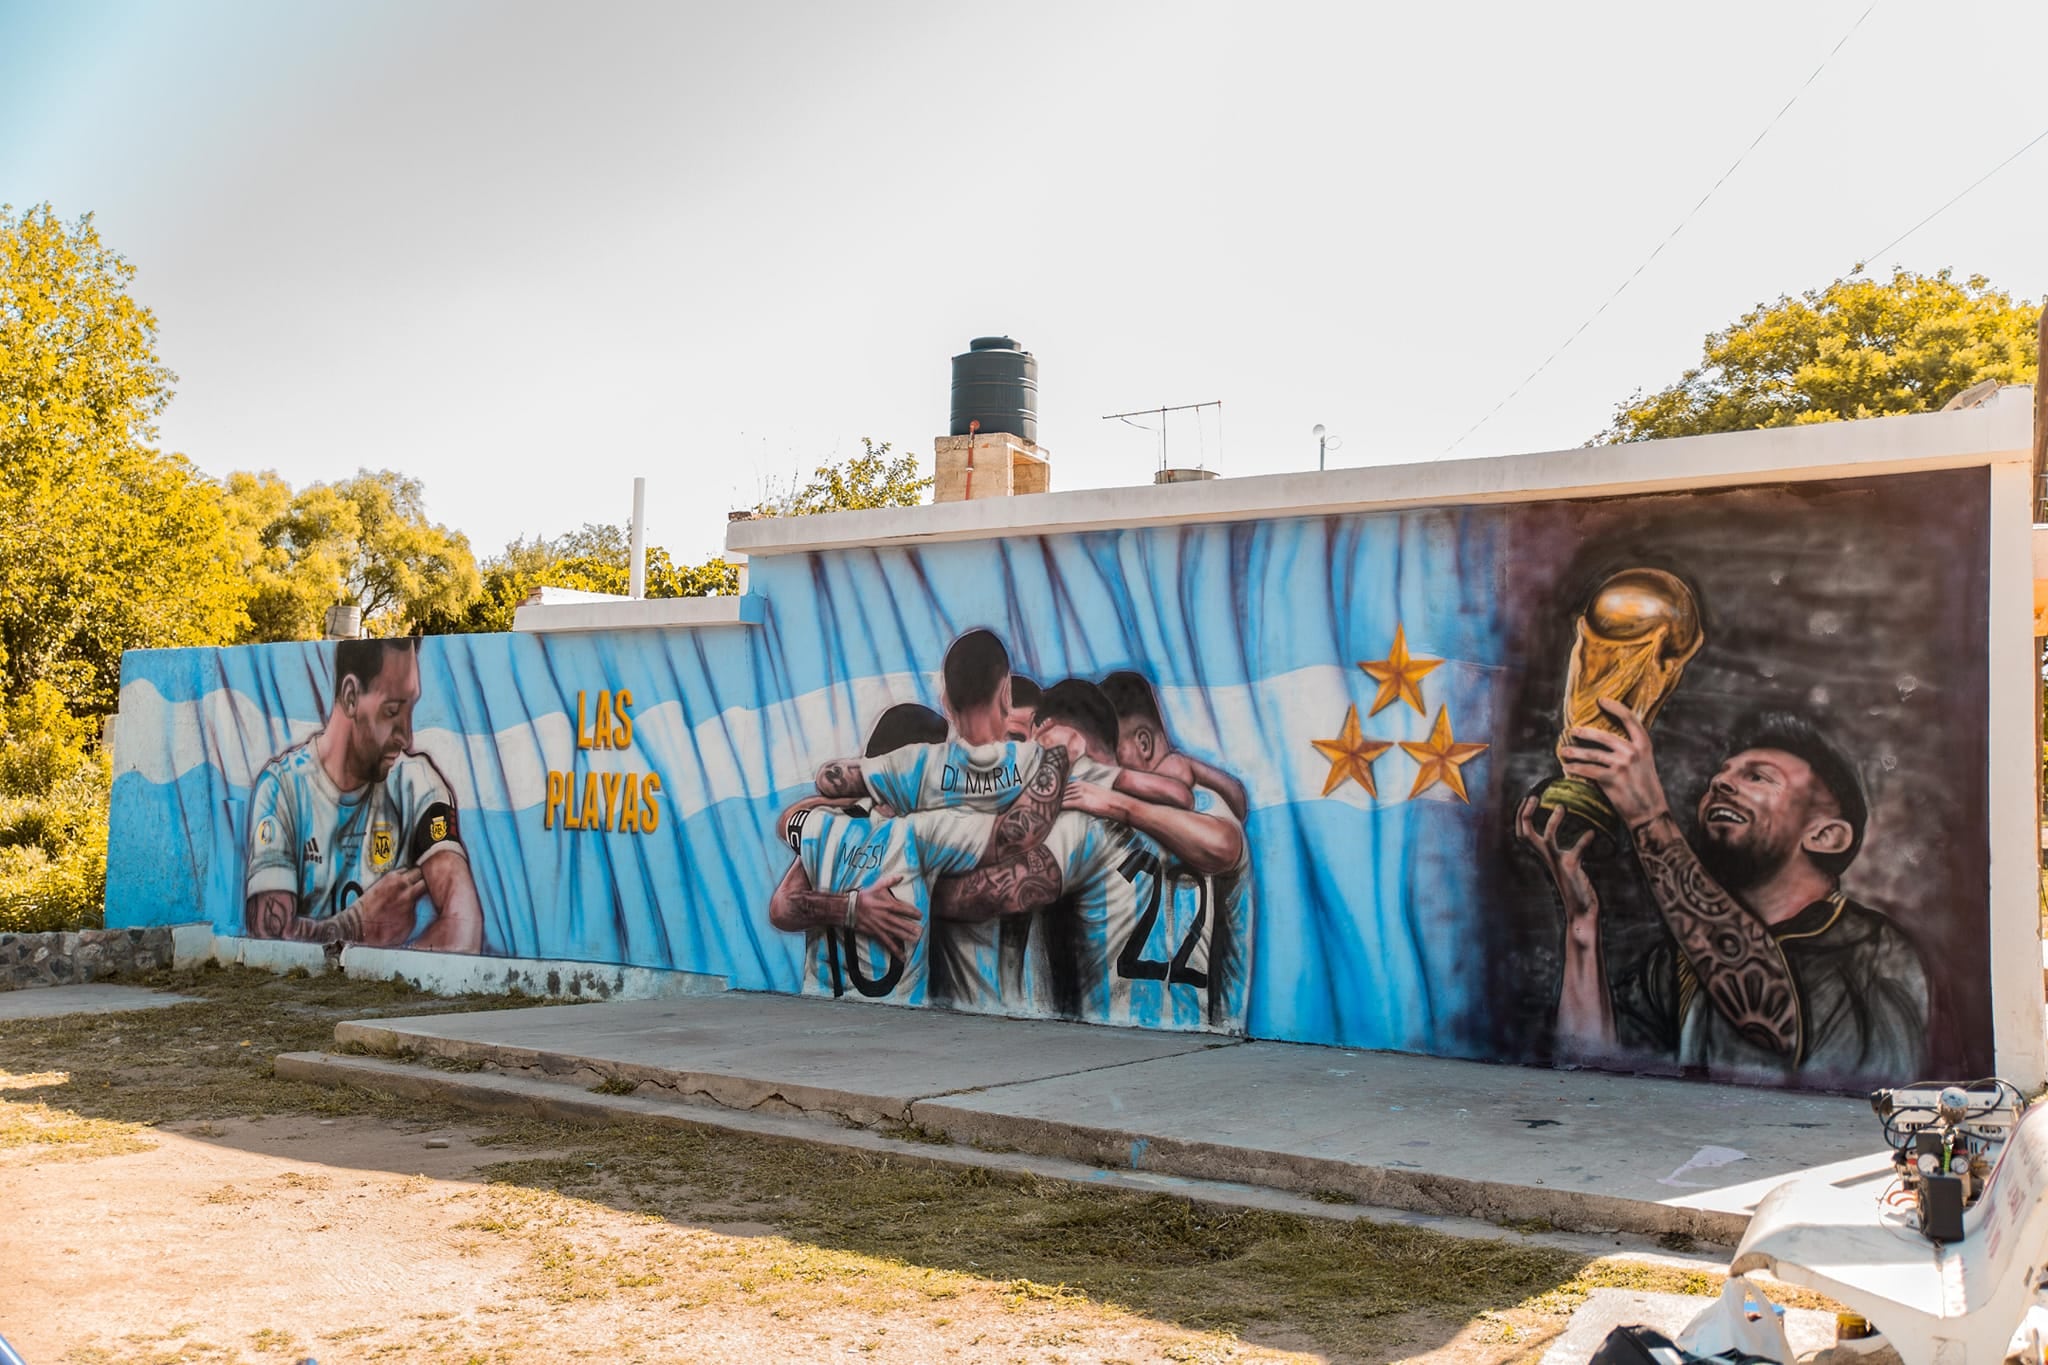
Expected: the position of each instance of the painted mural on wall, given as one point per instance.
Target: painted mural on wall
(352, 832)
(1688, 783)
(1037, 851)
(1792, 880)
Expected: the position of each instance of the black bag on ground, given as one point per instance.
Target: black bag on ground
(1648, 1346)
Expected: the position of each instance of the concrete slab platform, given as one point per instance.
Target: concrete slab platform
(864, 1063)
(564, 1102)
(49, 1002)
(1578, 1148)
(1582, 1151)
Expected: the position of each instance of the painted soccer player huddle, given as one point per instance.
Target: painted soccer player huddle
(1032, 851)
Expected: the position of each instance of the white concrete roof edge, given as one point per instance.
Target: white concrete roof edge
(628, 614)
(1998, 431)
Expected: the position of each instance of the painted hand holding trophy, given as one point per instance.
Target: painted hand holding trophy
(1634, 640)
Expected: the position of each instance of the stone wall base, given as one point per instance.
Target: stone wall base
(68, 959)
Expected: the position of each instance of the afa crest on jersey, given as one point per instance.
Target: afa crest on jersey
(266, 831)
(382, 846)
(437, 830)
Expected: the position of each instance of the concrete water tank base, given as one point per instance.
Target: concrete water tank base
(992, 465)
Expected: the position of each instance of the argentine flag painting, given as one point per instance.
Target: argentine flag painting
(622, 797)
(1375, 779)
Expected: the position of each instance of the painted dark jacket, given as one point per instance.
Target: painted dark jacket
(1862, 1005)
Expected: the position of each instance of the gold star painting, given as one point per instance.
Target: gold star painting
(1441, 757)
(1399, 676)
(1351, 755)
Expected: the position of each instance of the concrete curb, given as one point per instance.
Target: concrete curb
(731, 1092)
(1383, 1186)
(511, 1096)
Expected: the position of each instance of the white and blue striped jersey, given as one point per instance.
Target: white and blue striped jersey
(842, 853)
(326, 846)
(984, 777)
(1086, 950)
(1208, 971)
(978, 965)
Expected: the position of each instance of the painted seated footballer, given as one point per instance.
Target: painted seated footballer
(350, 829)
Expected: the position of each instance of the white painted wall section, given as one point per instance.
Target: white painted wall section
(623, 613)
(455, 974)
(1826, 450)
(2015, 768)
(444, 973)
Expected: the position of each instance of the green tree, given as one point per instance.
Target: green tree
(596, 558)
(1858, 348)
(106, 544)
(366, 540)
(873, 478)
(53, 815)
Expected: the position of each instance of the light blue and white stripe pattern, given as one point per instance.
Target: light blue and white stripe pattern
(1366, 931)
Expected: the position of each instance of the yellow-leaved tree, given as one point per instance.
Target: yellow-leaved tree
(106, 543)
(366, 540)
(1858, 348)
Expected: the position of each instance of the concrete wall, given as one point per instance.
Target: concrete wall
(996, 465)
(1358, 677)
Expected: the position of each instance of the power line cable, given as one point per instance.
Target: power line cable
(1668, 237)
(1867, 259)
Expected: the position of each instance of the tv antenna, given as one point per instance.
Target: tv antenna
(1125, 418)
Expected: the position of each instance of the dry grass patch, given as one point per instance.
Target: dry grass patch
(43, 1132)
(212, 1060)
(874, 1255)
(904, 1237)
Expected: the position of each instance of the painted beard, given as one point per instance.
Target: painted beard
(1738, 867)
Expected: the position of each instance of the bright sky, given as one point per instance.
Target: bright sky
(528, 251)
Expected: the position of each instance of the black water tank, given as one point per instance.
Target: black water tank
(995, 383)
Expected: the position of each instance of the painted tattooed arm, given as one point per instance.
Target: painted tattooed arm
(1739, 964)
(1017, 873)
(994, 889)
(797, 906)
(381, 916)
(1023, 826)
(842, 777)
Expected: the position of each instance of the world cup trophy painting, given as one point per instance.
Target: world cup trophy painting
(1634, 640)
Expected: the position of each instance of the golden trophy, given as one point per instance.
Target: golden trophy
(1635, 639)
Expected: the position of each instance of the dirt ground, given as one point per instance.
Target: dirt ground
(164, 1198)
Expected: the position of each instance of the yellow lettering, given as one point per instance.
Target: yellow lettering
(622, 733)
(629, 806)
(582, 740)
(611, 801)
(650, 813)
(601, 728)
(593, 803)
(571, 817)
(547, 819)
